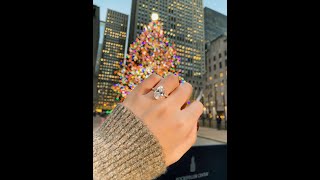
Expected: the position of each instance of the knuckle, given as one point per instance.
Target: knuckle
(164, 105)
(179, 124)
(197, 111)
(199, 105)
(172, 78)
(188, 86)
(155, 77)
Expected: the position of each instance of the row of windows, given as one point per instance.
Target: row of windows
(116, 20)
(113, 56)
(115, 23)
(106, 100)
(106, 94)
(106, 90)
(104, 68)
(102, 87)
(220, 66)
(114, 44)
(215, 76)
(118, 33)
(214, 57)
(112, 50)
(117, 27)
(106, 73)
(110, 59)
(216, 85)
(110, 72)
(103, 84)
(161, 8)
(190, 72)
(116, 14)
(106, 76)
(196, 82)
(197, 35)
(116, 37)
(109, 76)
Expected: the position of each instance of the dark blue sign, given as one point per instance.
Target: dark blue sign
(200, 162)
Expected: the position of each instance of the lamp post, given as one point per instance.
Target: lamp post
(216, 101)
(225, 110)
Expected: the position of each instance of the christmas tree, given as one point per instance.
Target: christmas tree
(151, 52)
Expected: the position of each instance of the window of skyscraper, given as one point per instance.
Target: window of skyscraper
(220, 65)
(214, 67)
(219, 55)
(221, 74)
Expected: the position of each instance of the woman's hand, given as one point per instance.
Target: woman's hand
(173, 124)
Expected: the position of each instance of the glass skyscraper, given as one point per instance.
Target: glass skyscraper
(112, 52)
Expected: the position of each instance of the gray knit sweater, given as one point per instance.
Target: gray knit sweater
(124, 148)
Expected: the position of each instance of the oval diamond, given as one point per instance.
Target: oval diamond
(158, 92)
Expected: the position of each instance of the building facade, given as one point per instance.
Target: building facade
(115, 34)
(215, 24)
(102, 27)
(95, 41)
(215, 93)
(183, 23)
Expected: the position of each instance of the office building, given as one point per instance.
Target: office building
(95, 42)
(215, 24)
(215, 94)
(115, 34)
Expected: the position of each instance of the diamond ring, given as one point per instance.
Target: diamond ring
(158, 92)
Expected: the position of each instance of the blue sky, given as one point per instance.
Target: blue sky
(124, 6)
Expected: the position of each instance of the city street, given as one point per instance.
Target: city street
(213, 134)
(203, 142)
(206, 136)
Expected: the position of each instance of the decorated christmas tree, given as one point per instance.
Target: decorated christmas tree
(151, 52)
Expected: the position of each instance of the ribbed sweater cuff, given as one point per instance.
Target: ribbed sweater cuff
(124, 148)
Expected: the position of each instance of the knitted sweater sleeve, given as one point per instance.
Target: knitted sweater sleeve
(124, 148)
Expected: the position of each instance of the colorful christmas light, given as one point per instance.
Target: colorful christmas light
(151, 52)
